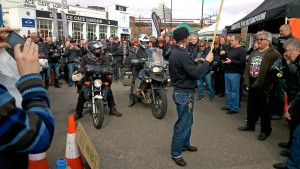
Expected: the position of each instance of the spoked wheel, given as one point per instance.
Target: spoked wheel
(98, 115)
(159, 107)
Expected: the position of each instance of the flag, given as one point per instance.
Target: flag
(155, 24)
(65, 25)
(55, 26)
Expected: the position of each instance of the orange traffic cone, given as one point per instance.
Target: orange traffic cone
(37, 161)
(72, 151)
(286, 102)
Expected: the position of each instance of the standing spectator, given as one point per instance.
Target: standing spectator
(124, 50)
(41, 38)
(117, 41)
(202, 53)
(102, 41)
(167, 39)
(161, 45)
(113, 51)
(53, 57)
(234, 66)
(259, 80)
(284, 35)
(192, 47)
(83, 47)
(217, 59)
(220, 66)
(184, 72)
(29, 129)
(72, 53)
(290, 73)
(292, 57)
(153, 40)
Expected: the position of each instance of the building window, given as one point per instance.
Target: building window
(102, 32)
(60, 30)
(91, 30)
(44, 27)
(77, 30)
(113, 31)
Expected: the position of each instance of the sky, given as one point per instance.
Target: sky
(232, 11)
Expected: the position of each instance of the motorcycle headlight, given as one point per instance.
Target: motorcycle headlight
(156, 69)
(97, 83)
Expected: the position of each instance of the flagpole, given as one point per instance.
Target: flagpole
(216, 28)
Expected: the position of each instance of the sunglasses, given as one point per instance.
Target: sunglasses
(260, 39)
(201, 46)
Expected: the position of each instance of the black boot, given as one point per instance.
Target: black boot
(46, 84)
(56, 84)
(114, 112)
(77, 116)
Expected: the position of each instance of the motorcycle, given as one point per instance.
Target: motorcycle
(96, 84)
(151, 82)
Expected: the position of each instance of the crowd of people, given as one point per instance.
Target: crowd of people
(268, 71)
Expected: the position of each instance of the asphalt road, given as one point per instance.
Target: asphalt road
(138, 140)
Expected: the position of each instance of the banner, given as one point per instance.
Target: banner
(65, 25)
(55, 26)
(153, 30)
(155, 24)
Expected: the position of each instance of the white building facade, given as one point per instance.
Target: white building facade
(82, 23)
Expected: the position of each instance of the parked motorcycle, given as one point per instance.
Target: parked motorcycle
(151, 82)
(96, 84)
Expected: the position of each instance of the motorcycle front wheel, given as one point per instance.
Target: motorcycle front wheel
(159, 107)
(98, 115)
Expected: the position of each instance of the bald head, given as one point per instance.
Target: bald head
(48, 40)
(34, 37)
(284, 30)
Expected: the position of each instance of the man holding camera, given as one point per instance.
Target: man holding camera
(72, 52)
(53, 56)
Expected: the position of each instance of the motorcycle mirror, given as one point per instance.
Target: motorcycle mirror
(134, 61)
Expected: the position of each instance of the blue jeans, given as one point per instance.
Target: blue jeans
(71, 69)
(207, 79)
(293, 161)
(53, 66)
(182, 128)
(232, 87)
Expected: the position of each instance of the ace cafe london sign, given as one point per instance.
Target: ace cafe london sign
(46, 4)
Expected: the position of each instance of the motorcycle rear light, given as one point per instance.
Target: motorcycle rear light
(109, 76)
(87, 83)
(105, 83)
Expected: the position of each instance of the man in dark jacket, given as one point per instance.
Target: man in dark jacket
(53, 56)
(259, 78)
(72, 53)
(292, 113)
(112, 49)
(184, 73)
(278, 101)
(139, 54)
(95, 57)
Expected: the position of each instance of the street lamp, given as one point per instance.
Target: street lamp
(171, 16)
(201, 26)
